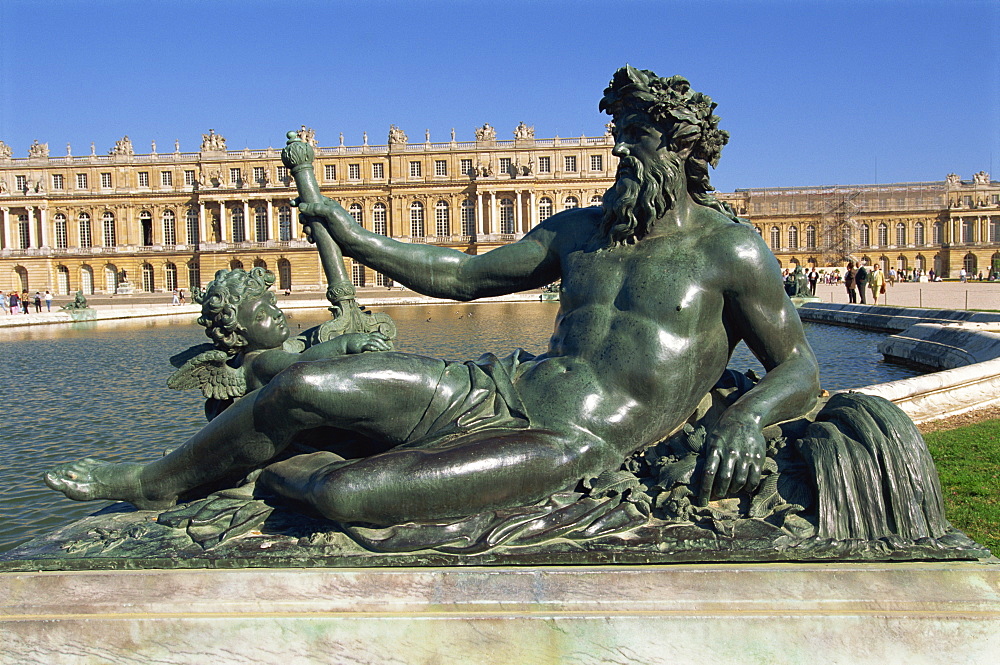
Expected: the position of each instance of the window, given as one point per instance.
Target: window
(545, 165)
(85, 237)
(793, 237)
(169, 228)
(260, 224)
(544, 208)
(194, 274)
(569, 163)
(864, 237)
(506, 216)
(284, 274)
(284, 223)
(378, 171)
(146, 227)
(440, 167)
(148, 283)
(900, 234)
(468, 218)
(571, 202)
(354, 171)
(189, 177)
(355, 210)
(57, 181)
(793, 206)
(330, 172)
(968, 230)
(995, 199)
(967, 201)
(23, 232)
(918, 234)
(883, 234)
(810, 237)
(936, 233)
(106, 180)
(758, 207)
(414, 169)
(595, 200)
(597, 162)
(170, 275)
(239, 225)
(143, 179)
(417, 219)
(108, 226)
(166, 178)
(378, 219)
(62, 240)
(62, 280)
(81, 181)
(775, 238)
(442, 219)
(235, 176)
(193, 227)
(281, 173)
(258, 174)
(357, 273)
(465, 166)
(506, 167)
(21, 182)
(901, 202)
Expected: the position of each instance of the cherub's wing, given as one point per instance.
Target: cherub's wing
(210, 373)
(179, 359)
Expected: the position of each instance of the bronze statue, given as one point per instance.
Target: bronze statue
(79, 302)
(658, 285)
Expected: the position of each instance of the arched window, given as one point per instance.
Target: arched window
(194, 274)
(85, 238)
(170, 276)
(284, 223)
(357, 273)
(236, 264)
(544, 208)
(417, 219)
(148, 280)
(110, 278)
(193, 228)
(883, 234)
(468, 218)
(239, 225)
(919, 262)
(571, 202)
(169, 228)
(146, 227)
(775, 238)
(968, 229)
(793, 237)
(86, 280)
(356, 213)
(900, 234)
(442, 219)
(108, 225)
(260, 224)
(507, 216)
(62, 280)
(864, 236)
(810, 237)
(23, 232)
(284, 275)
(759, 231)
(595, 200)
(900, 262)
(918, 234)
(260, 263)
(380, 224)
(62, 238)
(970, 263)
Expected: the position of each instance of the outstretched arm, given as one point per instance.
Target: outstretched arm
(758, 312)
(440, 271)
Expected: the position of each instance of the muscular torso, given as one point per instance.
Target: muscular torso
(638, 342)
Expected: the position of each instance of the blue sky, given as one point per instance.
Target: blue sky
(813, 93)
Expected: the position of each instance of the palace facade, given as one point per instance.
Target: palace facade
(127, 222)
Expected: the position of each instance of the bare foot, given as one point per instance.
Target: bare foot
(92, 479)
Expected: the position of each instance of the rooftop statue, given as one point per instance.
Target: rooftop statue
(628, 423)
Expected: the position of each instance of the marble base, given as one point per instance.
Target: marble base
(709, 613)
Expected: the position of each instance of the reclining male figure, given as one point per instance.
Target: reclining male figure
(658, 287)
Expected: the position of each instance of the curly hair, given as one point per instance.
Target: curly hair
(686, 115)
(221, 300)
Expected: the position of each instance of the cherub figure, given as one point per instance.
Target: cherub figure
(249, 334)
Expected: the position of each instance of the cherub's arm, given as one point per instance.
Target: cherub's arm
(264, 366)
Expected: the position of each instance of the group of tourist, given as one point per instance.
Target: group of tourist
(14, 303)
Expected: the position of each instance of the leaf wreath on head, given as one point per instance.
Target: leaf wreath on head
(210, 372)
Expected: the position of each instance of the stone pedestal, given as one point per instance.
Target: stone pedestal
(697, 613)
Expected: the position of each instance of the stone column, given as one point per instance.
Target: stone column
(43, 224)
(202, 223)
(518, 216)
(32, 238)
(223, 233)
(6, 228)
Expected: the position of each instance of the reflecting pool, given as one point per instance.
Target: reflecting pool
(99, 389)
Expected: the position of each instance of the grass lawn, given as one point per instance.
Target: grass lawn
(968, 461)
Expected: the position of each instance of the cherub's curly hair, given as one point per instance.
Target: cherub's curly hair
(686, 114)
(221, 300)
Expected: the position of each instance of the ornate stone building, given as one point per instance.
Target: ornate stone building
(126, 222)
(943, 226)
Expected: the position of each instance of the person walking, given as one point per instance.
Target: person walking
(15, 302)
(852, 295)
(876, 282)
(38, 302)
(25, 301)
(48, 301)
(813, 280)
(962, 275)
(861, 281)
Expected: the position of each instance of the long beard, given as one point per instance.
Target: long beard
(640, 196)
